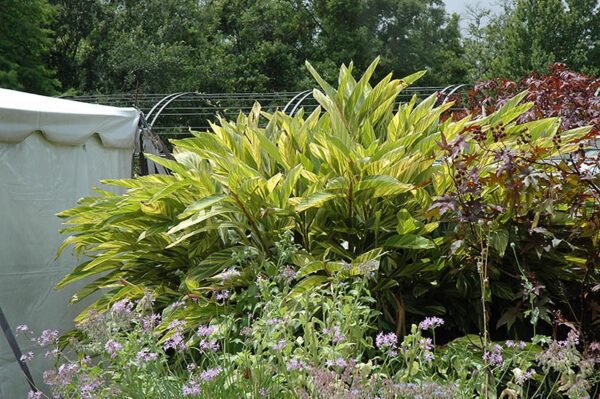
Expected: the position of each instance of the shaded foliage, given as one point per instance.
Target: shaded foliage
(546, 198)
(24, 43)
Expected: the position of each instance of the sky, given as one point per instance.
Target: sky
(459, 6)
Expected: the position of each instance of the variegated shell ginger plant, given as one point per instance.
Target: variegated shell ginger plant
(351, 184)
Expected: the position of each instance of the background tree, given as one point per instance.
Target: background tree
(258, 45)
(417, 35)
(241, 45)
(73, 25)
(24, 41)
(530, 35)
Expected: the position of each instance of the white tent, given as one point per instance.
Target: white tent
(52, 152)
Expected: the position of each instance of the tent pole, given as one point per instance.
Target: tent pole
(12, 342)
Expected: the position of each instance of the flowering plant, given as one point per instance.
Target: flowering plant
(321, 344)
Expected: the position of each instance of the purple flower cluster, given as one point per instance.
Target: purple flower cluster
(423, 390)
(279, 345)
(521, 377)
(122, 308)
(425, 344)
(210, 374)
(145, 356)
(571, 341)
(23, 329)
(208, 345)
(150, 321)
(206, 331)
(335, 334)
(26, 357)
(513, 344)
(493, 357)
(113, 348)
(387, 342)
(428, 357)
(274, 322)
(52, 353)
(61, 377)
(192, 388)
(296, 364)
(287, 275)
(339, 362)
(47, 337)
(369, 268)
(34, 395)
(560, 354)
(176, 341)
(222, 295)
(88, 387)
(431, 323)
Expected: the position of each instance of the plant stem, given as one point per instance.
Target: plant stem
(482, 269)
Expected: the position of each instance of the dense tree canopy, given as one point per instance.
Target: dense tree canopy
(530, 35)
(24, 42)
(109, 46)
(242, 45)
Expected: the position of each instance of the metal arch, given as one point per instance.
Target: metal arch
(293, 111)
(444, 90)
(160, 102)
(169, 101)
(291, 102)
(454, 91)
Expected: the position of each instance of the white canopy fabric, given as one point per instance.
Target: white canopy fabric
(52, 152)
(64, 121)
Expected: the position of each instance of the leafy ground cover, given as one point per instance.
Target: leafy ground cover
(364, 250)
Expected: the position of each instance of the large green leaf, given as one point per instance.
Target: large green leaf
(409, 241)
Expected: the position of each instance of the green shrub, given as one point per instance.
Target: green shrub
(351, 184)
